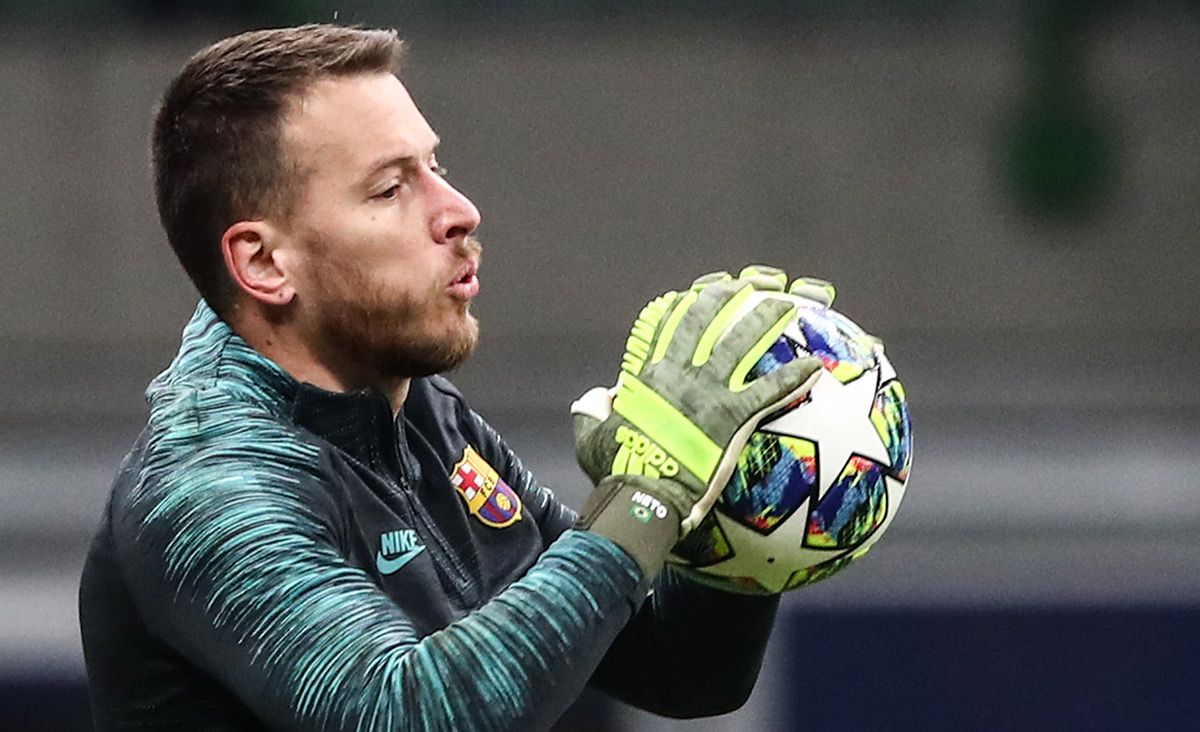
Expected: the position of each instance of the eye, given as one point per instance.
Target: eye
(439, 170)
(390, 193)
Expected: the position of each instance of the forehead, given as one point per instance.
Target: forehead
(341, 125)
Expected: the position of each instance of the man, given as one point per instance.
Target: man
(314, 531)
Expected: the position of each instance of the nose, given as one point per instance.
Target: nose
(454, 216)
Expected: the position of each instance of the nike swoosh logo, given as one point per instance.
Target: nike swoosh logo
(390, 566)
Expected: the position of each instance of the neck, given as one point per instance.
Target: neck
(283, 346)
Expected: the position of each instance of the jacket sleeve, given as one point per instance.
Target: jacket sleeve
(690, 651)
(233, 559)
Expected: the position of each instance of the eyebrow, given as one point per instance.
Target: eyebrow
(399, 161)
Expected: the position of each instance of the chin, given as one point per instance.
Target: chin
(439, 353)
(465, 344)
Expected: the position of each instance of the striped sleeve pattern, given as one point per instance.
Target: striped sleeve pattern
(235, 557)
(246, 580)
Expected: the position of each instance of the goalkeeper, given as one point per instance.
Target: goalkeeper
(314, 531)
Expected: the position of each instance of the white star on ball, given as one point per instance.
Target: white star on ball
(837, 419)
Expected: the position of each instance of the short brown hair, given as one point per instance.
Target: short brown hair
(216, 147)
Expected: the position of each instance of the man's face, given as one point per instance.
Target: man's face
(384, 266)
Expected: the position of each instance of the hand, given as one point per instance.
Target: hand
(682, 409)
(766, 277)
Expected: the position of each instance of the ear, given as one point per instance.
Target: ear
(252, 256)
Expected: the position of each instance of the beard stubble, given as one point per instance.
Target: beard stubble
(383, 334)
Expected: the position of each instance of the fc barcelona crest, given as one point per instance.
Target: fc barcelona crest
(488, 497)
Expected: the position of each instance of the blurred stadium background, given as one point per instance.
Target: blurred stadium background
(1006, 192)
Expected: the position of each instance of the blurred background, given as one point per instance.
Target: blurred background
(1006, 192)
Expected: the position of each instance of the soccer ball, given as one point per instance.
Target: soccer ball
(820, 480)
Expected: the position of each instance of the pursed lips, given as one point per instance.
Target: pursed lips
(465, 285)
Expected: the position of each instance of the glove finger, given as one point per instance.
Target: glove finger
(651, 327)
(787, 383)
(819, 291)
(764, 277)
(711, 278)
(718, 303)
(750, 337)
(709, 317)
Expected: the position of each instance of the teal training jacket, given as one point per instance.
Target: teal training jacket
(276, 556)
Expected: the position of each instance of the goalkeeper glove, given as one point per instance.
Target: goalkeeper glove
(662, 445)
(766, 277)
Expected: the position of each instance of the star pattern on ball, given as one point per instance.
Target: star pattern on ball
(837, 418)
(771, 572)
(773, 576)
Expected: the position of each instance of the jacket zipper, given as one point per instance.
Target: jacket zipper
(444, 555)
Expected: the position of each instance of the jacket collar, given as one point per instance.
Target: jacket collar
(211, 355)
(360, 423)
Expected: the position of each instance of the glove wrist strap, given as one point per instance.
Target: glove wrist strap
(634, 513)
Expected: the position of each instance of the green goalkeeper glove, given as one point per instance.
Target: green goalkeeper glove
(766, 277)
(662, 444)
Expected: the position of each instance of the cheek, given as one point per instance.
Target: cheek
(412, 269)
(305, 275)
(377, 257)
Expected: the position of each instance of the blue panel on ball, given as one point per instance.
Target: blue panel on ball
(782, 351)
(851, 510)
(835, 340)
(774, 476)
(892, 421)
